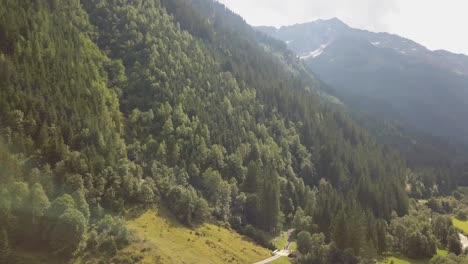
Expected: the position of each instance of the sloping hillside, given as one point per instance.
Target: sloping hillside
(162, 239)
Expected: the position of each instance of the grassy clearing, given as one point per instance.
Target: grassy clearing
(280, 241)
(462, 225)
(161, 239)
(442, 252)
(293, 246)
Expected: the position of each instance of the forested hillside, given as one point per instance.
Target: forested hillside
(63, 157)
(111, 105)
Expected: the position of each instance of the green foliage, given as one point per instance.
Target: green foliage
(441, 225)
(55, 96)
(108, 236)
(81, 204)
(301, 221)
(68, 232)
(146, 194)
(450, 259)
(304, 242)
(188, 207)
(218, 193)
(413, 234)
(59, 206)
(259, 236)
(454, 244)
(39, 202)
(326, 254)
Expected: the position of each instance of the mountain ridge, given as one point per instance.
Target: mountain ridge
(386, 67)
(337, 21)
(336, 25)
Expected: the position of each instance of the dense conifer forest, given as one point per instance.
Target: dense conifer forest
(108, 105)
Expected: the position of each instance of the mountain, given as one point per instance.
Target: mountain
(386, 75)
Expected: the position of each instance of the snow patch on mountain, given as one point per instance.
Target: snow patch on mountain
(314, 53)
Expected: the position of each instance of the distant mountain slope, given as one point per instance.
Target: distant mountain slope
(387, 75)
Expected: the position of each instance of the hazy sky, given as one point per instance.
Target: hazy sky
(437, 24)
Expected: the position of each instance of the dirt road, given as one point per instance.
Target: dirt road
(279, 253)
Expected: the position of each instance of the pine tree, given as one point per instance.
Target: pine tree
(250, 182)
(381, 236)
(340, 230)
(269, 200)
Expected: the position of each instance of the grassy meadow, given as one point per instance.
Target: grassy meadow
(462, 225)
(161, 239)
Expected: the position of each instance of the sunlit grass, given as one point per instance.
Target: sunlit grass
(164, 240)
(293, 246)
(442, 252)
(280, 241)
(462, 225)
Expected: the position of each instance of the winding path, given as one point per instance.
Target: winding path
(275, 257)
(279, 253)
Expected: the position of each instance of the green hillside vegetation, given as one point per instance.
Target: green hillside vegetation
(455, 206)
(107, 106)
(280, 241)
(160, 238)
(405, 260)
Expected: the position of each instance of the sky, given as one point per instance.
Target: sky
(436, 24)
